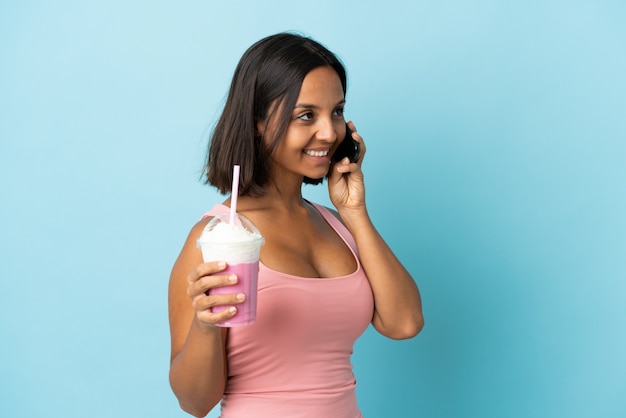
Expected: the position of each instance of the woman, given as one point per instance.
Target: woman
(324, 275)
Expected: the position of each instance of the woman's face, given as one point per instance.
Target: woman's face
(316, 127)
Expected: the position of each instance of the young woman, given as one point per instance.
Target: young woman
(324, 275)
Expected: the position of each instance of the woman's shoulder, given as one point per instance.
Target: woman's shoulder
(205, 218)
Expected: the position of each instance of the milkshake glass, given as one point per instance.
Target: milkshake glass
(239, 245)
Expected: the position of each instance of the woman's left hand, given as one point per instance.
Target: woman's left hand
(345, 182)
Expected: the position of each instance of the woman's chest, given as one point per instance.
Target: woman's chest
(313, 251)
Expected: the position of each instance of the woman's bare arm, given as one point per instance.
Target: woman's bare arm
(397, 301)
(198, 352)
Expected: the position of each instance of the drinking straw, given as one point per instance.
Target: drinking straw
(234, 194)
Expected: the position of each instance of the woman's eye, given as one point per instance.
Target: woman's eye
(339, 112)
(306, 116)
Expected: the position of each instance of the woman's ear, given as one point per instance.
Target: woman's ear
(259, 128)
(267, 123)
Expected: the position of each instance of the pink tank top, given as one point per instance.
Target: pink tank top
(294, 361)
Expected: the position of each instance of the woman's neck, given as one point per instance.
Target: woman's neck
(277, 197)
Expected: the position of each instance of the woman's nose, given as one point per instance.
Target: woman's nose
(326, 131)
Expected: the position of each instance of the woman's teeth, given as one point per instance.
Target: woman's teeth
(316, 153)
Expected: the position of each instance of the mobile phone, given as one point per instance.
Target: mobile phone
(347, 148)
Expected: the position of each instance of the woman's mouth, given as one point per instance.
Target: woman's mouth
(314, 153)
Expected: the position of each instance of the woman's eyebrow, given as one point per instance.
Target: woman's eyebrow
(312, 106)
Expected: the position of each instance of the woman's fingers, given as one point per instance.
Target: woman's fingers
(200, 281)
(204, 304)
(205, 283)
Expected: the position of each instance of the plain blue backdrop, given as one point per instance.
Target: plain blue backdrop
(496, 134)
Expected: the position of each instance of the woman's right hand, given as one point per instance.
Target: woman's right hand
(200, 281)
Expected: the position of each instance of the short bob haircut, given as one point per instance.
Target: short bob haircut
(266, 84)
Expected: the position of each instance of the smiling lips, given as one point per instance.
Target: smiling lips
(313, 153)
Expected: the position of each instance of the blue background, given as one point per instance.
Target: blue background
(495, 169)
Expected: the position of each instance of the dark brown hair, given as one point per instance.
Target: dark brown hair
(266, 82)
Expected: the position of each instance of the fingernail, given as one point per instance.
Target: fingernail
(241, 296)
(232, 309)
(221, 264)
(232, 278)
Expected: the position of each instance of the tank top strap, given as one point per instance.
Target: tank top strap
(216, 210)
(337, 225)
